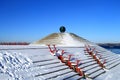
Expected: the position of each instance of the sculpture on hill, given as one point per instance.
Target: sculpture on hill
(62, 29)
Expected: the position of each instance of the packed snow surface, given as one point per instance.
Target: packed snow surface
(12, 64)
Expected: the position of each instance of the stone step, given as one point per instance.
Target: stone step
(113, 65)
(67, 76)
(76, 77)
(55, 74)
(47, 62)
(43, 58)
(107, 55)
(93, 70)
(90, 67)
(87, 64)
(110, 57)
(51, 70)
(97, 73)
(88, 60)
(111, 62)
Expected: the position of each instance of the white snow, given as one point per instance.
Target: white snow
(69, 41)
(62, 39)
(113, 74)
(12, 64)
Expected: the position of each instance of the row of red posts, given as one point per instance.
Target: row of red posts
(66, 60)
(91, 52)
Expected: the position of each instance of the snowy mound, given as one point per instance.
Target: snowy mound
(13, 63)
(62, 39)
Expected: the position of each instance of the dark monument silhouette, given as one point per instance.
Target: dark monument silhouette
(62, 29)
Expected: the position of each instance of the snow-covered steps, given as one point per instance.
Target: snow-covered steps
(59, 71)
(44, 58)
(109, 59)
(51, 70)
(113, 64)
(68, 76)
(56, 73)
(110, 62)
(93, 70)
(90, 67)
(97, 73)
(109, 56)
(83, 65)
(43, 63)
(75, 77)
(87, 60)
(49, 67)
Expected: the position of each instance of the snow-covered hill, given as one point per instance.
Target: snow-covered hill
(63, 39)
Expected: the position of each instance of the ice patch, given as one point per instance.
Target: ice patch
(14, 64)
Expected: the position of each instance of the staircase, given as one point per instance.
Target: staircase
(49, 67)
(88, 67)
(112, 60)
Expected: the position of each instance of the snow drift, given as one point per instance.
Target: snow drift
(12, 64)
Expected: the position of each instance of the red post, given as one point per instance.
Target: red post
(98, 61)
(86, 48)
(52, 51)
(78, 70)
(49, 48)
(54, 48)
(77, 63)
(69, 64)
(69, 56)
(63, 52)
(104, 61)
(102, 64)
(93, 50)
(95, 57)
(61, 58)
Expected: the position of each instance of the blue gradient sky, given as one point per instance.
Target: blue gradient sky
(31, 20)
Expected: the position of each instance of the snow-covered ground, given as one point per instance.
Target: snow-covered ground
(13, 64)
(18, 63)
(113, 74)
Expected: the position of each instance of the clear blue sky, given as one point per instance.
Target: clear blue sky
(31, 20)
